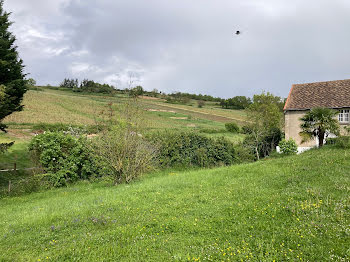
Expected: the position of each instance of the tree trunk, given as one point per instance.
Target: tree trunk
(321, 138)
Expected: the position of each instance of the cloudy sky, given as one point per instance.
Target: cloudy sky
(183, 45)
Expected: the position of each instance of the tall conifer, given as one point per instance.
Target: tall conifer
(12, 82)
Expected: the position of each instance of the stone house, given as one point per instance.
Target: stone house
(303, 97)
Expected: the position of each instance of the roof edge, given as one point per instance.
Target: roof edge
(289, 95)
(304, 109)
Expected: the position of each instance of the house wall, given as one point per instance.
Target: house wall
(292, 128)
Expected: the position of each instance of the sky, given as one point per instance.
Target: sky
(186, 46)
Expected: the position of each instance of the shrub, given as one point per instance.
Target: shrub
(67, 128)
(232, 127)
(200, 103)
(212, 131)
(181, 149)
(246, 130)
(126, 153)
(64, 157)
(262, 142)
(244, 154)
(340, 142)
(288, 147)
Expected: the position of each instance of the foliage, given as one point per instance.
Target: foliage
(340, 142)
(319, 122)
(67, 128)
(5, 146)
(70, 83)
(288, 147)
(64, 157)
(126, 154)
(31, 82)
(264, 131)
(182, 149)
(237, 102)
(179, 96)
(178, 99)
(12, 82)
(122, 147)
(89, 86)
(244, 154)
(263, 142)
(200, 103)
(232, 127)
(246, 130)
(212, 131)
(136, 91)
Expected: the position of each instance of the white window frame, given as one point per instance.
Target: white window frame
(344, 115)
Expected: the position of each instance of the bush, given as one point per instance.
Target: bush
(212, 131)
(244, 153)
(232, 127)
(200, 103)
(288, 147)
(67, 128)
(64, 157)
(340, 142)
(126, 154)
(246, 130)
(182, 149)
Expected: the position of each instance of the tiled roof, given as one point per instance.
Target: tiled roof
(331, 94)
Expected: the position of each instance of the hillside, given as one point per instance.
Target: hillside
(294, 208)
(51, 106)
(60, 106)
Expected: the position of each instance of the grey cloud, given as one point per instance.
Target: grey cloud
(186, 45)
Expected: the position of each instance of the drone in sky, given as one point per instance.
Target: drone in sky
(238, 32)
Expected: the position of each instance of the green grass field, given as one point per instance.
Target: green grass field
(62, 106)
(289, 209)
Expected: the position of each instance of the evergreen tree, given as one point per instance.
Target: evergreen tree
(12, 82)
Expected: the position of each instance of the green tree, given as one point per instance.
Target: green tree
(266, 120)
(136, 91)
(319, 122)
(31, 82)
(13, 85)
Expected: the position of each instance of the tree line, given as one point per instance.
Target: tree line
(87, 85)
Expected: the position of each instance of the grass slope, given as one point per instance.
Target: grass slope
(294, 208)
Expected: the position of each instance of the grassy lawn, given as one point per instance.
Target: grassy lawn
(294, 208)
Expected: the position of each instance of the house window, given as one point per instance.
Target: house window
(344, 116)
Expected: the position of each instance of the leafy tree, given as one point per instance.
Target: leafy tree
(12, 83)
(237, 102)
(70, 83)
(265, 124)
(136, 91)
(31, 82)
(319, 122)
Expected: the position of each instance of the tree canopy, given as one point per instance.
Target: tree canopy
(12, 82)
(319, 122)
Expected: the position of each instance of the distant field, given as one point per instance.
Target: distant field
(62, 106)
(289, 209)
(57, 107)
